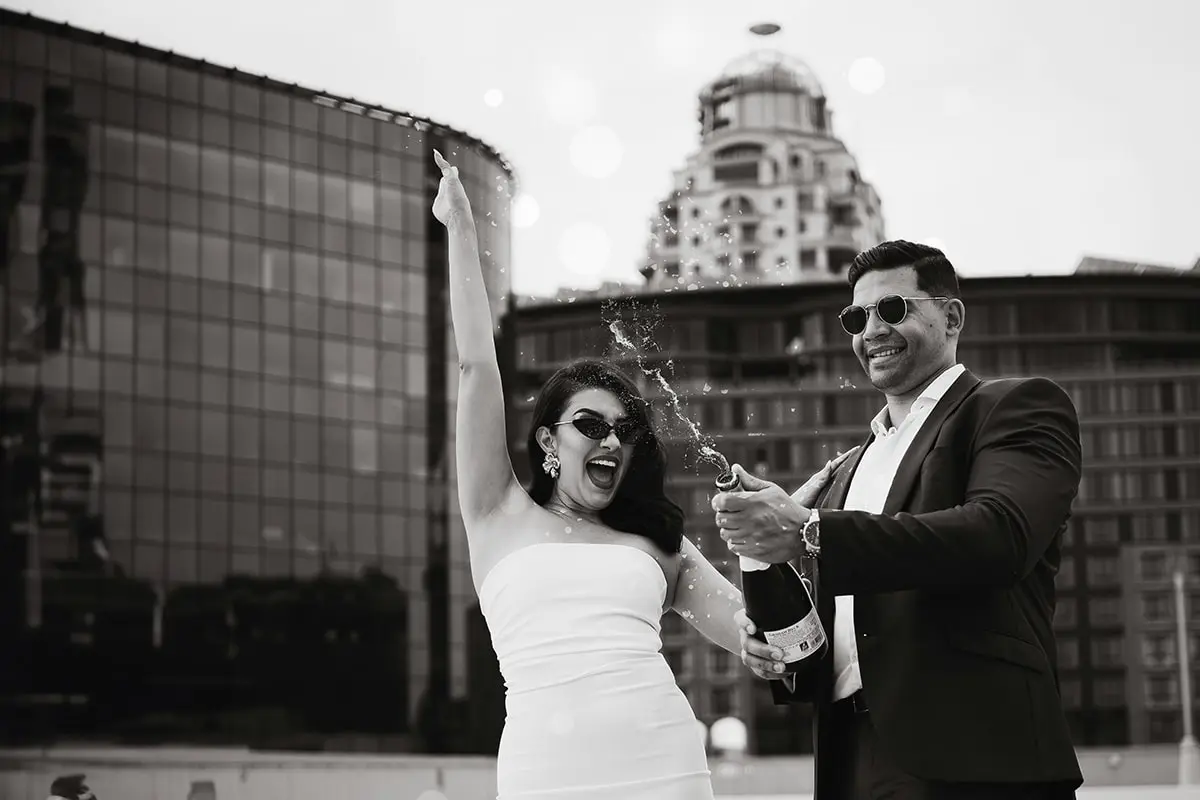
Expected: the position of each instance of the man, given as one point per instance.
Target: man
(935, 549)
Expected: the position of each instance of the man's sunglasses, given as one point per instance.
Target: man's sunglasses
(629, 431)
(891, 309)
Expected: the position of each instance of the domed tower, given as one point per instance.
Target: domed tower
(766, 89)
(771, 195)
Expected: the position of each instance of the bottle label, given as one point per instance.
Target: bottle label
(798, 641)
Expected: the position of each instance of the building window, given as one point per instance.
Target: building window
(673, 625)
(745, 172)
(1064, 613)
(1148, 527)
(1158, 650)
(721, 663)
(1109, 692)
(722, 701)
(1190, 522)
(1065, 579)
(364, 449)
(1152, 565)
(842, 215)
(1102, 571)
(737, 204)
(1156, 608)
(1108, 651)
(840, 259)
(1165, 726)
(1100, 531)
(1162, 690)
(1071, 692)
(1105, 611)
(680, 661)
(1068, 653)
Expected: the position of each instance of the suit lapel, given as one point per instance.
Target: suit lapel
(910, 465)
(835, 495)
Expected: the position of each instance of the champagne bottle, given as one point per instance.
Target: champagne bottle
(780, 603)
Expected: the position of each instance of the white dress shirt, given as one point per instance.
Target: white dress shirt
(868, 492)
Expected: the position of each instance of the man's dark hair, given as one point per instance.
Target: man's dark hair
(935, 273)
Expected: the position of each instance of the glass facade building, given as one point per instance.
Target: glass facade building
(226, 403)
(769, 373)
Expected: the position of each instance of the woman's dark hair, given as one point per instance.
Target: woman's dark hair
(640, 505)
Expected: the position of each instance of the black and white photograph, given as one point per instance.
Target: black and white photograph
(660, 400)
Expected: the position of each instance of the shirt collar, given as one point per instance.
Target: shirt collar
(925, 401)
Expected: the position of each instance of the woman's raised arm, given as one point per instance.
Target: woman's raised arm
(485, 473)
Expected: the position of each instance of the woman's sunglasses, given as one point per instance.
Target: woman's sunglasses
(629, 431)
(891, 309)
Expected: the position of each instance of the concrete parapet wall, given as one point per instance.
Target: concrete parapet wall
(189, 773)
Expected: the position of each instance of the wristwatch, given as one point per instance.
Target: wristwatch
(810, 534)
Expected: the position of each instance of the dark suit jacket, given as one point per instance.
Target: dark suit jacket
(954, 588)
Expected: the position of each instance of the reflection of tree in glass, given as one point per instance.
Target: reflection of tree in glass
(284, 662)
(16, 132)
(60, 269)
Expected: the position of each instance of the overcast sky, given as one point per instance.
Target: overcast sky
(1020, 134)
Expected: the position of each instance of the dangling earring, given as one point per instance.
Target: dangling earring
(550, 465)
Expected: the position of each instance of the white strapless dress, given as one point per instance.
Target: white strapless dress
(593, 710)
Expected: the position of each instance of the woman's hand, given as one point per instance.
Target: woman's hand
(451, 198)
(807, 494)
(762, 659)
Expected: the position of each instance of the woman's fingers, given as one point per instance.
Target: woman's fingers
(837, 462)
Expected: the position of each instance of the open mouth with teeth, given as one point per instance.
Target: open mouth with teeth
(602, 471)
(884, 354)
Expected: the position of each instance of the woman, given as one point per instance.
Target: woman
(574, 576)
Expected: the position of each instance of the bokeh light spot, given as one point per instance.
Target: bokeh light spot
(584, 250)
(525, 211)
(866, 76)
(596, 152)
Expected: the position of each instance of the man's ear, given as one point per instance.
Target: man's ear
(956, 316)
